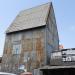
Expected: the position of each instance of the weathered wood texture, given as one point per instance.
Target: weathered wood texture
(31, 47)
(52, 38)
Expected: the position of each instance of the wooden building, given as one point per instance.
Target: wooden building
(30, 39)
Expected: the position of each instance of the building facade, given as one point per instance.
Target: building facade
(30, 39)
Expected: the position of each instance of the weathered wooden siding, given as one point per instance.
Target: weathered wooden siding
(52, 39)
(34, 45)
(54, 29)
(32, 53)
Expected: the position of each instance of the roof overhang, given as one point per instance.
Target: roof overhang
(56, 67)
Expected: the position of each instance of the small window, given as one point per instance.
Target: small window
(16, 37)
(16, 49)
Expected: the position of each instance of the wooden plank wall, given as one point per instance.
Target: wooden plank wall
(32, 49)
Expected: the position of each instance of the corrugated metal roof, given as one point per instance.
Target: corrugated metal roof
(30, 18)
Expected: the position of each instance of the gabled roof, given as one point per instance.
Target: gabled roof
(30, 18)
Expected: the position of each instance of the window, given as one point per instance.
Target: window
(16, 49)
(16, 43)
(16, 37)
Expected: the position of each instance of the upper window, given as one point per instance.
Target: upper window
(16, 43)
(16, 37)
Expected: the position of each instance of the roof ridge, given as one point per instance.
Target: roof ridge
(36, 6)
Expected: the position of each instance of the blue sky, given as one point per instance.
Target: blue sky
(64, 12)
